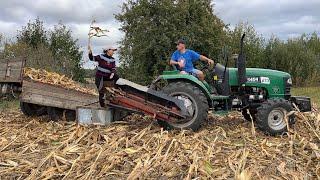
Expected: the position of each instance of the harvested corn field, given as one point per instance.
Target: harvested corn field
(41, 75)
(226, 147)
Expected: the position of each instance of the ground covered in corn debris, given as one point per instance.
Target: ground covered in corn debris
(226, 147)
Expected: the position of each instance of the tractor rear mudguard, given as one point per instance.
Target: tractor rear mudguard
(303, 103)
(186, 78)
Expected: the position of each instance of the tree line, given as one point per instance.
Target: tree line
(54, 50)
(299, 56)
(151, 29)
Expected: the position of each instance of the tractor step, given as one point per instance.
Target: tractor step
(219, 97)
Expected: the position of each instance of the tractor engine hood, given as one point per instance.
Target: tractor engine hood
(267, 72)
(259, 76)
(277, 83)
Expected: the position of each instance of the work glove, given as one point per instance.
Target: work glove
(111, 75)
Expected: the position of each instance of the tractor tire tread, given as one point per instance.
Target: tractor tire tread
(262, 115)
(202, 104)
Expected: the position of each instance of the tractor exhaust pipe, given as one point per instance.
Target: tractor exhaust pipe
(241, 64)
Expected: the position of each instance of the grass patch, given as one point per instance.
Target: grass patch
(313, 92)
(8, 104)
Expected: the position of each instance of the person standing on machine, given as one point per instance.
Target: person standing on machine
(106, 71)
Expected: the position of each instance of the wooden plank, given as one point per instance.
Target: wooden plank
(45, 101)
(17, 63)
(9, 80)
(11, 70)
(3, 73)
(53, 90)
(3, 66)
(14, 73)
(62, 94)
(52, 101)
(50, 95)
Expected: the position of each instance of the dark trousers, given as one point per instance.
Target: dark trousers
(101, 83)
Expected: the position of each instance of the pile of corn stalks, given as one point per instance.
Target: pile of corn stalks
(53, 78)
(225, 147)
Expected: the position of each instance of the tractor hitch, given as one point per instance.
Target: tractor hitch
(303, 103)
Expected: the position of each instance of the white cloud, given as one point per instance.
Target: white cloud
(280, 17)
(8, 29)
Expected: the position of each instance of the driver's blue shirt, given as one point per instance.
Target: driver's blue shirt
(189, 57)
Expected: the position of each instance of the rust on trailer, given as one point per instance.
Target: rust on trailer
(137, 103)
(55, 96)
(11, 70)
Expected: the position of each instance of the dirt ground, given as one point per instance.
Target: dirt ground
(225, 147)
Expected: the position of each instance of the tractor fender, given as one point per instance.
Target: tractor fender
(186, 78)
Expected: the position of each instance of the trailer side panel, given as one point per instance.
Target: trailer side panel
(11, 71)
(54, 96)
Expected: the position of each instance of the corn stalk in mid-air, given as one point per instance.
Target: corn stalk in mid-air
(95, 31)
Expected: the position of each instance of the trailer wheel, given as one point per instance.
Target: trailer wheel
(70, 115)
(29, 109)
(195, 101)
(247, 116)
(271, 116)
(54, 113)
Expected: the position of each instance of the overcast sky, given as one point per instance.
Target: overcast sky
(283, 18)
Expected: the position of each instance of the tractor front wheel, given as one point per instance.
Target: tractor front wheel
(271, 116)
(195, 102)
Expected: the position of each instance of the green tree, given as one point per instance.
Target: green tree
(33, 34)
(151, 28)
(40, 57)
(253, 44)
(54, 50)
(297, 56)
(66, 52)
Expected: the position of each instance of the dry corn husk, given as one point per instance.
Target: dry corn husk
(53, 78)
(225, 148)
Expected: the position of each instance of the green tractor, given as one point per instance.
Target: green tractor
(262, 95)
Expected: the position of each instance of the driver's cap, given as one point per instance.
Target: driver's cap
(181, 41)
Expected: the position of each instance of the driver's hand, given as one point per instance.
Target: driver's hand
(210, 62)
(181, 64)
(89, 50)
(111, 75)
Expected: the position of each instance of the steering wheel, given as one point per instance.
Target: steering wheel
(174, 67)
(206, 66)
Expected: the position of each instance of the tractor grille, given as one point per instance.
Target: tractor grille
(287, 90)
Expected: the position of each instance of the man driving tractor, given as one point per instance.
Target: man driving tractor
(106, 71)
(184, 58)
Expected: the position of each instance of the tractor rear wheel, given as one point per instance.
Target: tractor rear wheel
(271, 116)
(29, 109)
(195, 102)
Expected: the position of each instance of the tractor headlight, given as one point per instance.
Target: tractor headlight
(289, 81)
